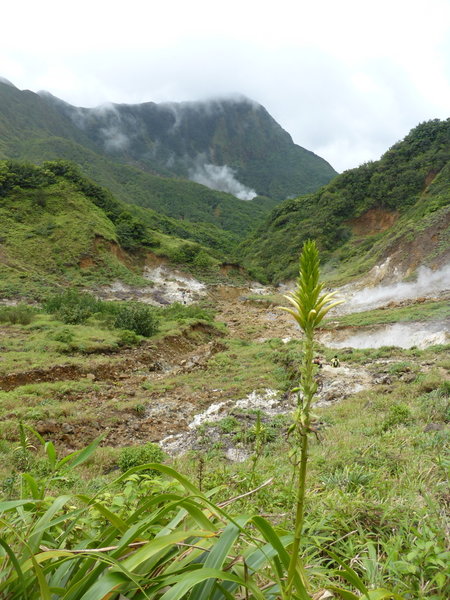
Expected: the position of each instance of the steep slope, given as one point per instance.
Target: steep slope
(366, 214)
(33, 128)
(232, 145)
(58, 228)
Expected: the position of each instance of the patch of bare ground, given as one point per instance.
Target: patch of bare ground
(147, 393)
(148, 356)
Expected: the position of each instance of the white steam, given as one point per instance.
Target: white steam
(428, 283)
(221, 178)
(114, 138)
(116, 130)
(402, 335)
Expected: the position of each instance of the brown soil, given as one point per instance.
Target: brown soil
(373, 221)
(122, 402)
(133, 398)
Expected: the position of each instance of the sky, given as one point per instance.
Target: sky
(347, 79)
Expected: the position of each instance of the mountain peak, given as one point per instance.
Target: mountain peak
(6, 82)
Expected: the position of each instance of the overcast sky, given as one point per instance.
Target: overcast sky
(346, 78)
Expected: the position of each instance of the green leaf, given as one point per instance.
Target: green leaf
(188, 580)
(9, 505)
(51, 453)
(216, 558)
(41, 525)
(32, 484)
(382, 594)
(104, 585)
(160, 543)
(350, 575)
(43, 585)
(345, 594)
(272, 537)
(116, 521)
(79, 456)
(16, 565)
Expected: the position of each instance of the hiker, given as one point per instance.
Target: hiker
(317, 361)
(335, 361)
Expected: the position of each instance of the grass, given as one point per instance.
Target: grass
(376, 487)
(47, 342)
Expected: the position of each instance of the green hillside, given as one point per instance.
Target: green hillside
(58, 228)
(38, 128)
(182, 138)
(181, 199)
(364, 214)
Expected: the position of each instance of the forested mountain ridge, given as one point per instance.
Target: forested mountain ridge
(366, 213)
(233, 146)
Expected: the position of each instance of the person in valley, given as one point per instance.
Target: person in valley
(335, 361)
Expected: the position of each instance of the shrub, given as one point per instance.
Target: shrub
(134, 456)
(72, 307)
(399, 414)
(180, 312)
(140, 318)
(348, 479)
(63, 335)
(128, 338)
(20, 314)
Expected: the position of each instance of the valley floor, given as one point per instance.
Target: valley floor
(378, 460)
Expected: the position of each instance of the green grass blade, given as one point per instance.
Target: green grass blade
(116, 521)
(80, 456)
(162, 469)
(19, 574)
(188, 580)
(341, 593)
(32, 484)
(382, 594)
(160, 543)
(215, 560)
(104, 586)
(43, 585)
(350, 575)
(274, 539)
(51, 453)
(42, 524)
(8, 505)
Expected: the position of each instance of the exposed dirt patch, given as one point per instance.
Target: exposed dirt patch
(373, 221)
(150, 356)
(152, 260)
(148, 392)
(86, 263)
(408, 254)
(227, 268)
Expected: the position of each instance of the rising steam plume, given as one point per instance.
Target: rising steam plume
(221, 178)
(428, 283)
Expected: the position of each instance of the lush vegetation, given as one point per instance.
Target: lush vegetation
(358, 501)
(364, 504)
(41, 128)
(422, 311)
(59, 227)
(409, 183)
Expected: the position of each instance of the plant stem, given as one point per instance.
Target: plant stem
(307, 385)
